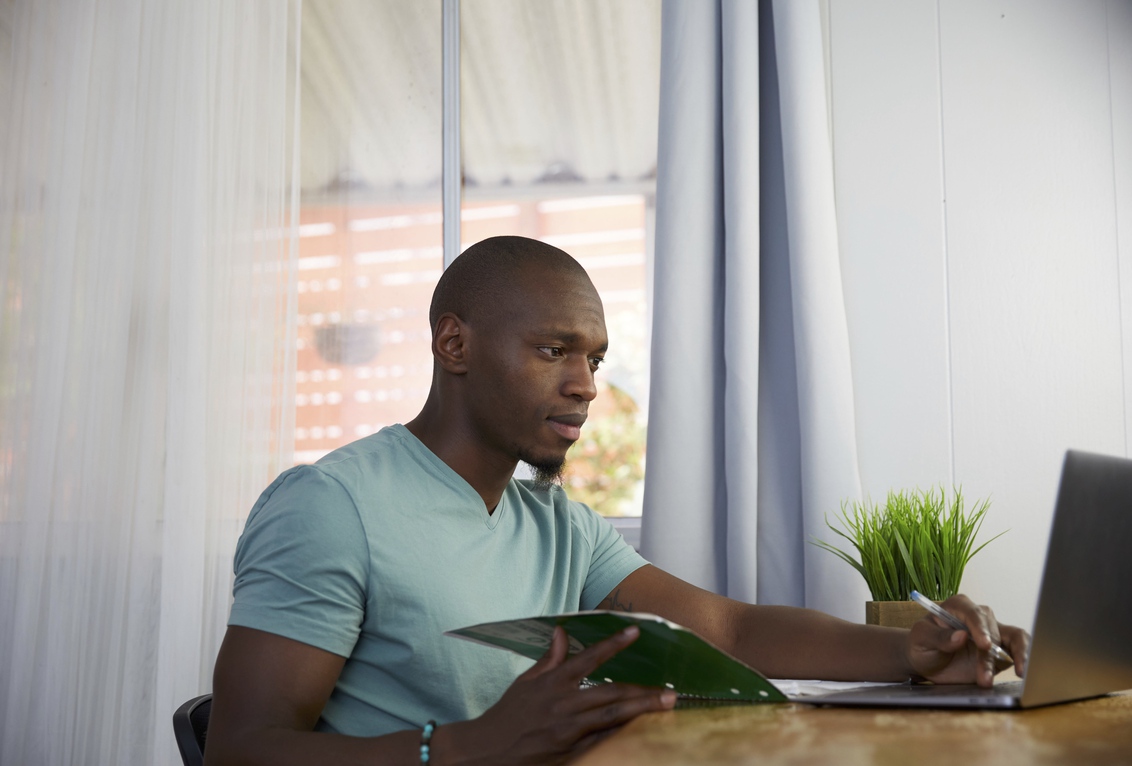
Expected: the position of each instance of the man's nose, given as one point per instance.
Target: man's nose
(580, 381)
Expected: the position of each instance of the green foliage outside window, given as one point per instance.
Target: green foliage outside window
(606, 466)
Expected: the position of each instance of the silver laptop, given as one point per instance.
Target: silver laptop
(1082, 636)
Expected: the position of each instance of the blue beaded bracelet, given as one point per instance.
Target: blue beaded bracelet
(426, 739)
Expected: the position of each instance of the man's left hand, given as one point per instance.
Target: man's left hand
(942, 654)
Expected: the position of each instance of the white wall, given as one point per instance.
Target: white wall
(983, 160)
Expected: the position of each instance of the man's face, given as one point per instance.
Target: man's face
(531, 376)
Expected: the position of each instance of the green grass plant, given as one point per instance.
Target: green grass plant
(917, 540)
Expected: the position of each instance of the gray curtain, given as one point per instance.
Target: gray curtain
(751, 423)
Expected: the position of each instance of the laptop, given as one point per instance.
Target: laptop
(1082, 637)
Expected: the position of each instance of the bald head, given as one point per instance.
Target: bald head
(518, 331)
(489, 273)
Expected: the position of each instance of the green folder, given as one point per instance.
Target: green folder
(665, 654)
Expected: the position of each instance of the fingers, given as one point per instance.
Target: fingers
(546, 715)
(979, 620)
(555, 654)
(606, 705)
(962, 656)
(604, 695)
(1017, 642)
(593, 725)
(586, 662)
(929, 634)
(627, 703)
(984, 632)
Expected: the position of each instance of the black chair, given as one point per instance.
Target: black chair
(190, 726)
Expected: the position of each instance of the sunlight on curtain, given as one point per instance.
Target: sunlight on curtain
(752, 436)
(146, 371)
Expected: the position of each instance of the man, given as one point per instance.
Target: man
(349, 571)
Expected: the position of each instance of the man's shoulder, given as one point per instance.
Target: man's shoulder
(389, 454)
(344, 472)
(387, 444)
(387, 473)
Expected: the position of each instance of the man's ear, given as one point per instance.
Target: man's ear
(450, 344)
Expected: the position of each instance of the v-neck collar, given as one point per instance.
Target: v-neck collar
(455, 480)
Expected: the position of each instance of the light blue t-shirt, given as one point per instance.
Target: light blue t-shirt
(377, 549)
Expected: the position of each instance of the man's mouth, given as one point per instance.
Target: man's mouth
(568, 426)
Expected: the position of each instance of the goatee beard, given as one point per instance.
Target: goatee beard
(547, 474)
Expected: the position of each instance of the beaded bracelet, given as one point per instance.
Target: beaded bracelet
(426, 739)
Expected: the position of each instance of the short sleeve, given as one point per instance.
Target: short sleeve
(302, 563)
(612, 559)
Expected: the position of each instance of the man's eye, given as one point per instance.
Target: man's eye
(551, 350)
(596, 361)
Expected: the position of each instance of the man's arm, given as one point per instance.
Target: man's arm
(268, 692)
(789, 642)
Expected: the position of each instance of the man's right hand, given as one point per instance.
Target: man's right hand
(269, 692)
(544, 717)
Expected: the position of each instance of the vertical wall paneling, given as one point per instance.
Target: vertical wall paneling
(1031, 233)
(1119, 13)
(887, 164)
(983, 162)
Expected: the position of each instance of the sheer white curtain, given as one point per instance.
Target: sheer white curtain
(146, 153)
(751, 419)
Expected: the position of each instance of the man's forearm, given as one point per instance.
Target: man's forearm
(780, 641)
(788, 642)
(281, 747)
(451, 744)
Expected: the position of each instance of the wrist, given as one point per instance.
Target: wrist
(426, 742)
(456, 744)
(907, 668)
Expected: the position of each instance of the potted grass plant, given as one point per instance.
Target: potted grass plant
(917, 540)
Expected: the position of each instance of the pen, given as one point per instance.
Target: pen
(996, 650)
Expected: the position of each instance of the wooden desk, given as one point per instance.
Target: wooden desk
(1090, 732)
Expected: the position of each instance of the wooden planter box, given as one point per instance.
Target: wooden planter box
(893, 614)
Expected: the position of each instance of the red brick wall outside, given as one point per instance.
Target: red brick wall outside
(366, 276)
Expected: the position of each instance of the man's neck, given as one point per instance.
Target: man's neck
(459, 451)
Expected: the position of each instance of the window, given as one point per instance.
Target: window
(364, 285)
(558, 109)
